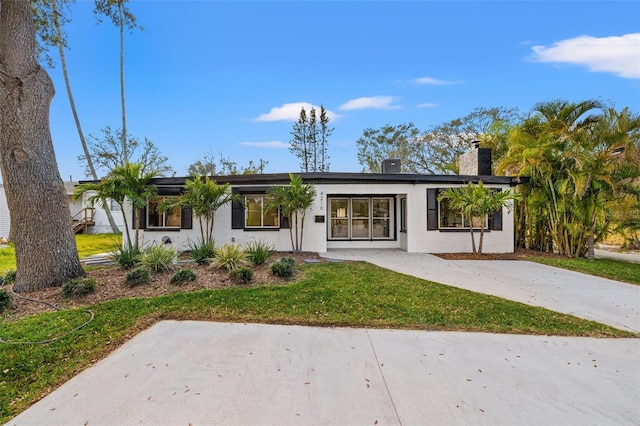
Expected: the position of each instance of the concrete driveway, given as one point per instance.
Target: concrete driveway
(585, 296)
(199, 373)
(179, 373)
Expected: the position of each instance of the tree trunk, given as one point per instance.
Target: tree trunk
(83, 142)
(125, 153)
(46, 253)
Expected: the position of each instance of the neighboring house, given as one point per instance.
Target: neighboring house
(80, 209)
(351, 210)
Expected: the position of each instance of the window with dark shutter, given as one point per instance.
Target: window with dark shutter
(495, 220)
(237, 215)
(186, 220)
(432, 209)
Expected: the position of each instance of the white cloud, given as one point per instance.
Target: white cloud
(619, 55)
(434, 81)
(268, 144)
(427, 105)
(377, 102)
(291, 112)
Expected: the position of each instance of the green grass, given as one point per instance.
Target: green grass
(606, 268)
(329, 294)
(87, 244)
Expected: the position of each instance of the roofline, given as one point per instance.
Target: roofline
(342, 178)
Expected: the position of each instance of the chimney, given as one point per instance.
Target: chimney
(391, 166)
(476, 162)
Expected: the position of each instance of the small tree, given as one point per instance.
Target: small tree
(204, 197)
(477, 202)
(294, 201)
(124, 182)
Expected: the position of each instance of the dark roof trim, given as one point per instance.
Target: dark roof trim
(346, 178)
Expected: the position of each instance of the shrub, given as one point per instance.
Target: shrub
(201, 252)
(127, 258)
(183, 276)
(78, 287)
(159, 258)
(5, 300)
(138, 277)
(258, 252)
(9, 277)
(284, 268)
(241, 275)
(230, 256)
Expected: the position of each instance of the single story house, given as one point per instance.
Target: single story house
(386, 210)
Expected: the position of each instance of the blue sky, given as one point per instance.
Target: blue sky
(230, 77)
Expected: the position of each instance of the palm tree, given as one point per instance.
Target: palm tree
(475, 203)
(550, 147)
(121, 16)
(125, 182)
(204, 197)
(61, 43)
(294, 201)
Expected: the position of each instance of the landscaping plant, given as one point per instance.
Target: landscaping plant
(138, 276)
(259, 251)
(202, 252)
(78, 287)
(127, 257)
(183, 276)
(241, 275)
(284, 268)
(230, 256)
(159, 258)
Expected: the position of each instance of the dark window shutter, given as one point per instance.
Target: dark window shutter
(138, 216)
(186, 218)
(237, 215)
(432, 209)
(495, 221)
(284, 221)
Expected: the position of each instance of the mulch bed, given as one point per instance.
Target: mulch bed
(111, 284)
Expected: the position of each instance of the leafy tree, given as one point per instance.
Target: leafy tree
(388, 142)
(208, 166)
(125, 182)
(108, 154)
(46, 253)
(475, 203)
(294, 201)
(204, 197)
(436, 150)
(440, 146)
(121, 17)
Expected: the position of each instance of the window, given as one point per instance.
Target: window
(257, 215)
(450, 218)
(403, 215)
(169, 219)
(360, 218)
(113, 206)
(441, 217)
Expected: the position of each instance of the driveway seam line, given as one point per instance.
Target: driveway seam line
(384, 380)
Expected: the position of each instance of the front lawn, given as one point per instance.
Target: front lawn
(606, 268)
(88, 244)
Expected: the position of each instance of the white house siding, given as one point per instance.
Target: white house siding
(416, 238)
(5, 218)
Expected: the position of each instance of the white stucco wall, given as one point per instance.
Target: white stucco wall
(416, 239)
(5, 218)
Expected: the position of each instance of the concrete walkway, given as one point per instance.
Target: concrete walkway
(199, 373)
(585, 296)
